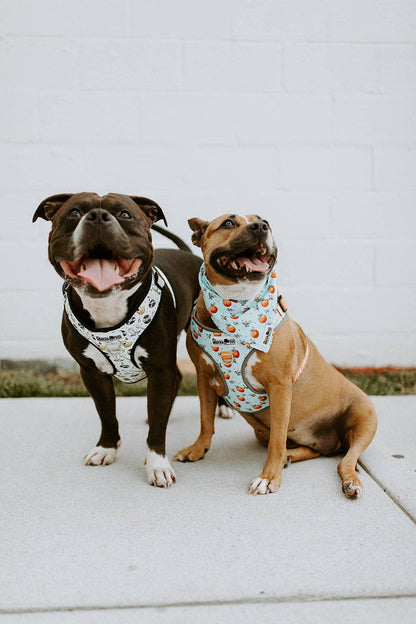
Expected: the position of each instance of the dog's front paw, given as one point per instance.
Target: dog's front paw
(100, 456)
(352, 489)
(158, 469)
(264, 485)
(191, 453)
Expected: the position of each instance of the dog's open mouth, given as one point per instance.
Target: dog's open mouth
(103, 270)
(249, 263)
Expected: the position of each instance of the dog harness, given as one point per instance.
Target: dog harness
(244, 326)
(118, 344)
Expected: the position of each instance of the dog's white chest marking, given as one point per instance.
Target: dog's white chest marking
(248, 373)
(110, 310)
(208, 361)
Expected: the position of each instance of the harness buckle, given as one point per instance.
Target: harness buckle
(282, 303)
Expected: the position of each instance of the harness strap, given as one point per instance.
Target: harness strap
(302, 366)
(168, 284)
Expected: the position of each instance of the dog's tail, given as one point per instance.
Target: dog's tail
(178, 241)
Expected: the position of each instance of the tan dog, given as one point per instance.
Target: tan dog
(313, 409)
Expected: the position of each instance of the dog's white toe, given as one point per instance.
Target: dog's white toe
(100, 456)
(261, 486)
(158, 469)
(225, 411)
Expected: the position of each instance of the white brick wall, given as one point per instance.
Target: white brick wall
(304, 112)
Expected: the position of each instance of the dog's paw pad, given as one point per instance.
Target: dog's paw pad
(158, 470)
(100, 456)
(351, 489)
(225, 411)
(262, 486)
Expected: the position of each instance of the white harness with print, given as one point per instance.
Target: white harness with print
(118, 344)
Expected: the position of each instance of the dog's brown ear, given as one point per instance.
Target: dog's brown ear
(198, 227)
(50, 206)
(150, 208)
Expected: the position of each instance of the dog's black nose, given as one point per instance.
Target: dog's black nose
(99, 216)
(260, 226)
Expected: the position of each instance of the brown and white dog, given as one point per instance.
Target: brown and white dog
(313, 409)
(125, 306)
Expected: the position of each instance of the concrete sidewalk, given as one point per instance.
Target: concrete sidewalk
(98, 544)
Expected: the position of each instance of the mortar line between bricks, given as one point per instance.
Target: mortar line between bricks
(209, 41)
(210, 603)
(387, 491)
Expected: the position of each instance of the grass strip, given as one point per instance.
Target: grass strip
(24, 382)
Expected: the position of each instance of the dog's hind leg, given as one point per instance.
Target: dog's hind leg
(296, 454)
(301, 453)
(360, 424)
(262, 437)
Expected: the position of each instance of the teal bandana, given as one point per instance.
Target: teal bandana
(251, 322)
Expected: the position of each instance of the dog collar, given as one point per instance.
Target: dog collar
(251, 322)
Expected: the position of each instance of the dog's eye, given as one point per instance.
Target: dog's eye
(228, 223)
(75, 213)
(124, 214)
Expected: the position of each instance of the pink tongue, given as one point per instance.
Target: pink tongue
(255, 264)
(101, 273)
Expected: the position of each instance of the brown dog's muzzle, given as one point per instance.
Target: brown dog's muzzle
(249, 255)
